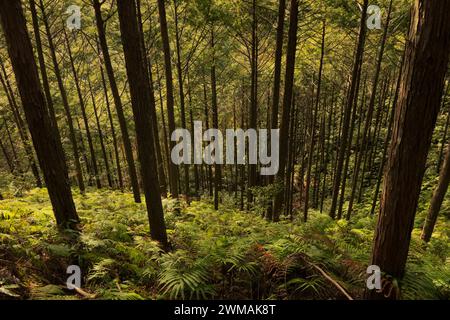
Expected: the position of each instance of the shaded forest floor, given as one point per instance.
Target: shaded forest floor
(216, 255)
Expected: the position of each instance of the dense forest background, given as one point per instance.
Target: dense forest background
(86, 176)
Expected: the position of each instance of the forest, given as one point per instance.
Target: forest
(224, 150)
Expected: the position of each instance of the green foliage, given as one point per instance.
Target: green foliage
(216, 254)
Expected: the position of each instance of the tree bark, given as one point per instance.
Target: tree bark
(48, 148)
(140, 100)
(215, 122)
(148, 66)
(313, 128)
(173, 169)
(21, 127)
(422, 84)
(113, 132)
(287, 104)
(117, 101)
(65, 101)
(83, 113)
(348, 109)
(181, 89)
(438, 198)
(100, 135)
(444, 138)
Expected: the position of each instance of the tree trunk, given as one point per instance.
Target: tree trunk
(48, 148)
(386, 144)
(21, 127)
(370, 110)
(426, 61)
(444, 137)
(43, 68)
(348, 109)
(65, 101)
(9, 162)
(140, 100)
(83, 113)
(181, 89)
(100, 135)
(117, 101)
(210, 176)
(148, 66)
(215, 122)
(287, 104)
(113, 132)
(313, 128)
(173, 169)
(253, 112)
(278, 58)
(348, 151)
(163, 120)
(438, 198)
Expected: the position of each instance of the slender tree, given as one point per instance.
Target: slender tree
(287, 104)
(348, 109)
(83, 113)
(63, 92)
(173, 169)
(140, 100)
(21, 127)
(117, 100)
(437, 199)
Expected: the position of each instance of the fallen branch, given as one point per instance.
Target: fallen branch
(334, 282)
(85, 294)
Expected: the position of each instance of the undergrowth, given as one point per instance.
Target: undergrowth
(225, 254)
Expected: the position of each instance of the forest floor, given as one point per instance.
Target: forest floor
(225, 254)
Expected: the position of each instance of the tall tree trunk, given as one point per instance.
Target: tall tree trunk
(348, 151)
(65, 101)
(313, 128)
(358, 153)
(83, 153)
(15, 160)
(173, 169)
(48, 148)
(253, 112)
(370, 109)
(347, 112)
(140, 100)
(422, 84)
(9, 162)
(148, 66)
(386, 143)
(21, 127)
(113, 131)
(117, 101)
(191, 119)
(278, 58)
(181, 89)
(444, 136)
(100, 135)
(215, 122)
(83, 113)
(43, 68)
(163, 120)
(287, 104)
(437, 199)
(210, 176)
